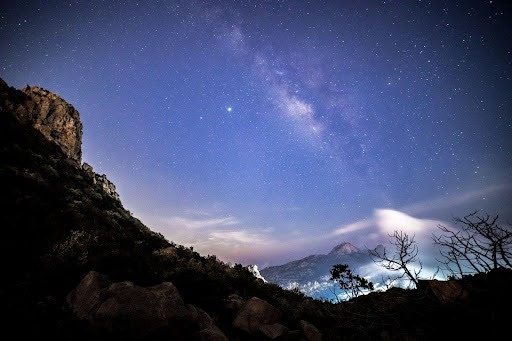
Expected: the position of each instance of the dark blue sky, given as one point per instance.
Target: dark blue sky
(265, 130)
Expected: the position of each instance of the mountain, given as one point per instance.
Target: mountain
(77, 265)
(311, 274)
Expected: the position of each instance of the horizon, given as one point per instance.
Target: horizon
(264, 133)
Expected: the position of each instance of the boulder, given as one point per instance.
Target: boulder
(208, 331)
(88, 169)
(87, 297)
(255, 313)
(210, 334)
(310, 332)
(273, 331)
(168, 252)
(234, 302)
(127, 308)
(445, 291)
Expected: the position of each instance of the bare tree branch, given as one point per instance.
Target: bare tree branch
(479, 245)
(405, 254)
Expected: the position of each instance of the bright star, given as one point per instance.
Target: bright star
(229, 109)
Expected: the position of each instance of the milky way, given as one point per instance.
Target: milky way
(266, 130)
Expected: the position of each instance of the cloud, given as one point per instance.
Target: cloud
(456, 200)
(385, 221)
(388, 221)
(353, 227)
(223, 236)
(235, 238)
(188, 230)
(189, 223)
(242, 245)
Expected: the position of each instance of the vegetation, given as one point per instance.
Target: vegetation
(350, 284)
(479, 246)
(403, 260)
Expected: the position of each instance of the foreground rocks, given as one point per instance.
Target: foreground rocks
(127, 309)
(450, 291)
(256, 313)
(310, 331)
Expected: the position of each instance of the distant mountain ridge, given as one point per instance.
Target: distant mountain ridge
(311, 274)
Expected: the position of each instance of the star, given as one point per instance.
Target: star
(229, 109)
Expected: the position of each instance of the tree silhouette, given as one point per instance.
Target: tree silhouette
(480, 245)
(404, 256)
(351, 284)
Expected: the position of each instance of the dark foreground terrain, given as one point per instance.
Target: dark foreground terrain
(77, 265)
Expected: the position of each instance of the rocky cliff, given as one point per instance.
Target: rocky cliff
(55, 118)
(107, 185)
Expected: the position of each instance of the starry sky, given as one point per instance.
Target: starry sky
(264, 131)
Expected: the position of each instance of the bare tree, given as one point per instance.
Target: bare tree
(404, 256)
(480, 245)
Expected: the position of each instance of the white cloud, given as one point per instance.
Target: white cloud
(189, 223)
(222, 236)
(353, 227)
(383, 223)
(235, 238)
(388, 221)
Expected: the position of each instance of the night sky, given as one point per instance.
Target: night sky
(263, 131)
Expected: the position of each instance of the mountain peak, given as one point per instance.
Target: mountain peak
(344, 248)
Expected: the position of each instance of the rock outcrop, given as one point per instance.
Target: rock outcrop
(128, 309)
(55, 118)
(234, 303)
(102, 180)
(208, 331)
(310, 331)
(273, 331)
(450, 291)
(256, 313)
